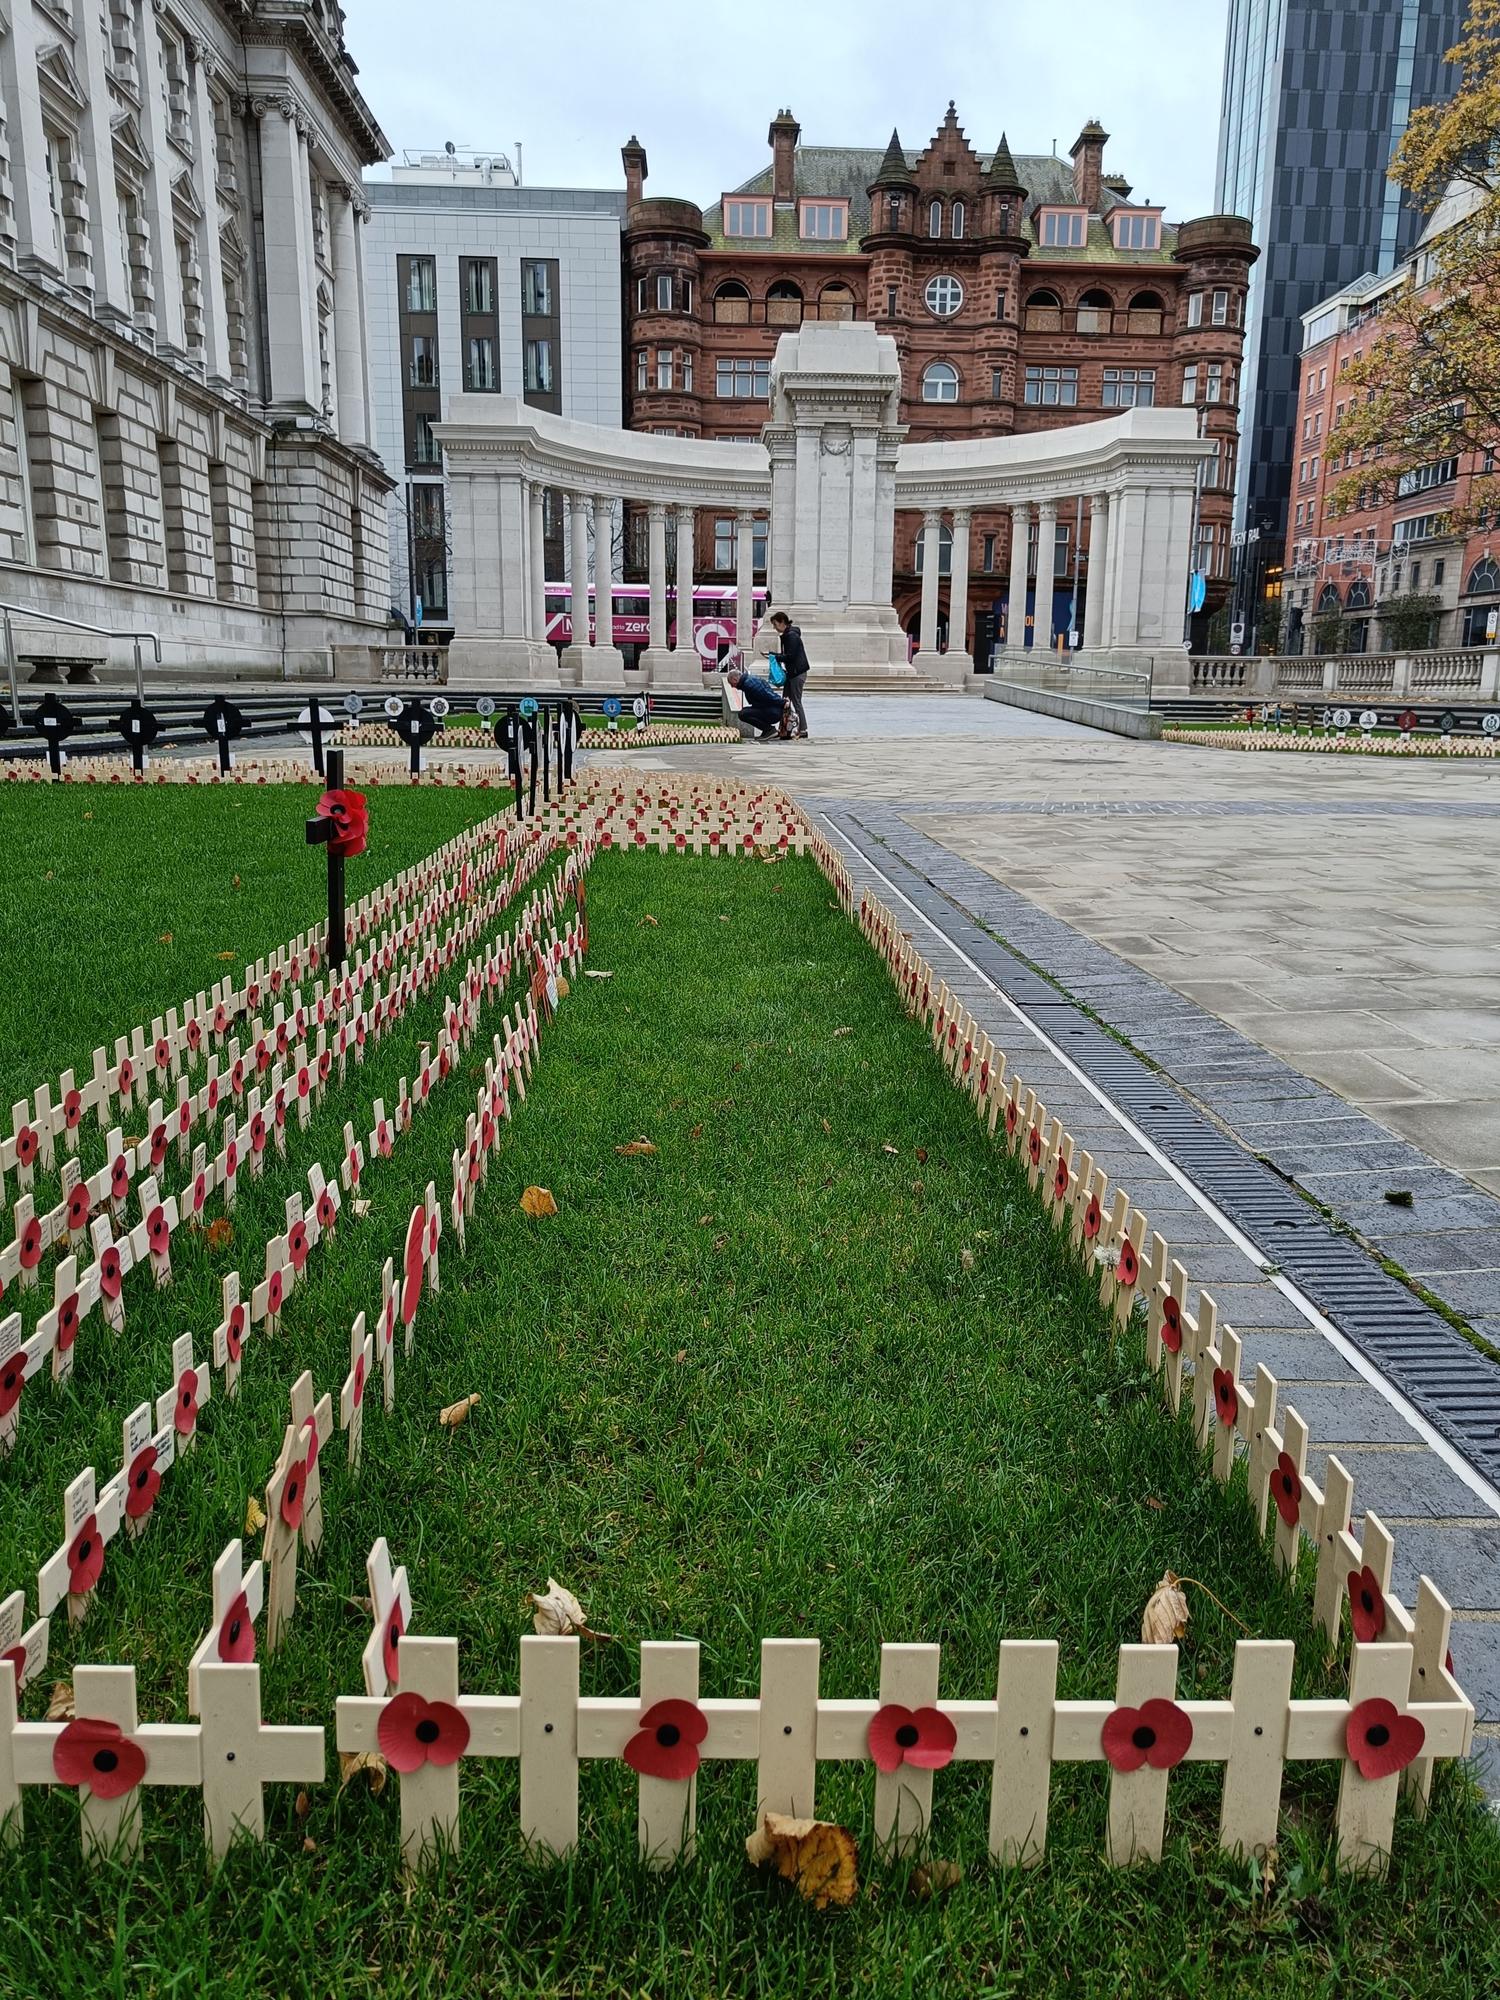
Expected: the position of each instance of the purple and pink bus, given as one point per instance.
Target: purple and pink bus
(713, 617)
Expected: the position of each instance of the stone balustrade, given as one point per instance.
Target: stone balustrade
(1455, 674)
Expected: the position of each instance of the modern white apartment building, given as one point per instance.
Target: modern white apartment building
(478, 285)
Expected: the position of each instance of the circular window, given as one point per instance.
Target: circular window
(944, 296)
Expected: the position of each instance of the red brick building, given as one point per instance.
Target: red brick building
(1023, 293)
(1398, 541)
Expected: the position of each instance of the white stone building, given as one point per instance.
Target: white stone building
(184, 397)
(479, 286)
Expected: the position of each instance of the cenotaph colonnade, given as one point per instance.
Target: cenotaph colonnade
(830, 473)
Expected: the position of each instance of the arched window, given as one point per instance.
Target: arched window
(1359, 595)
(1146, 310)
(783, 303)
(1484, 578)
(836, 301)
(945, 551)
(940, 382)
(1095, 312)
(1329, 599)
(1043, 312)
(956, 219)
(732, 303)
(935, 218)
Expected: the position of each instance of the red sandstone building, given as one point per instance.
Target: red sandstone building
(1398, 541)
(1022, 293)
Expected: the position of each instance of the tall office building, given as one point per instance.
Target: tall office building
(1317, 94)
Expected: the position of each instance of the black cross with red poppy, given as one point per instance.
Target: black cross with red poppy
(328, 830)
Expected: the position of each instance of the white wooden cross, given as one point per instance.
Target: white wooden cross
(303, 1079)
(229, 1334)
(104, 1734)
(285, 1500)
(434, 1234)
(238, 1594)
(302, 1233)
(200, 1187)
(385, 1337)
(227, 1164)
(381, 1138)
(72, 1301)
(152, 1236)
(114, 1175)
(460, 1189)
(354, 1161)
(90, 1522)
(274, 1288)
(429, 1794)
(313, 1421)
(109, 1271)
(390, 1608)
(148, 1452)
(27, 1246)
(352, 1395)
(242, 1754)
(19, 1361)
(414, 1263)
(21, 1150)
(192, 1386)
(26, 1650)
(77, 1202)
(325, 1200)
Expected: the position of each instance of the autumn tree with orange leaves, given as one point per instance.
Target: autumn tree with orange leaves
(1428, 386)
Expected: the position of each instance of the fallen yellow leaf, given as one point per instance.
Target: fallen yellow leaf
(457, 1413)
(557, 1614)
(226, 955)
(563, 988)
(538, 1201)
(1166, 1615)
(60, 1707)
(255, 1516)
(370, 1762)
(649, 919)
(636, 1146)
(814, 1854)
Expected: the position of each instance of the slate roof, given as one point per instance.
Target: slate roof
(847, 172)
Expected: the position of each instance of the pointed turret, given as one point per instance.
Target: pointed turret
(894, 172)
(1000, 176)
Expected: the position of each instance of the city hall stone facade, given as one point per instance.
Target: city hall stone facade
(185, 442)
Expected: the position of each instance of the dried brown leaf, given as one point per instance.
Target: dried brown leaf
(892, 1150)
(704, 1221)
(966, 1258)
(814, 1854)
(1166, 1615)
(649, 919)
(370, 1762)
(839, 1033)
(680, 1356)
(636, 1146)
(60, 1707)
(827, 1128)
(309, 1845)
(589, 973)
(1156, 1506)
(696, 1133)
(165, 938)
(303, 1808)
(227, 955)
(538, 1201)
(457, 1413)
(556, 1613)
(220, 1233)
(562, 985)
(935, 1878)
(255, 1516)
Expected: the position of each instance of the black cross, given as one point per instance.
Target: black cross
(321, 833)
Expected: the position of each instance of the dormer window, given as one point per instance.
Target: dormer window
(746, 218)
(1136, 228)
(1062, 228)
(823, 221)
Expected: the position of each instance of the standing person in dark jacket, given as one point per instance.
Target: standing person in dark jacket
(794, 662)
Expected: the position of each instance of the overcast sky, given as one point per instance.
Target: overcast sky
(699, 80)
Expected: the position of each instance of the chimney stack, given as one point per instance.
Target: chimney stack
(633, 153)
(1088, 164)
(782, 139)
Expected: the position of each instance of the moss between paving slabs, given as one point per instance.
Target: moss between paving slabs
(748, 1385)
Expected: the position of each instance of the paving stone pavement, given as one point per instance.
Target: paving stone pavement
(1445, 1525)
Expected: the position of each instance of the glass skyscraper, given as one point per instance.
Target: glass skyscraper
(1317, 94)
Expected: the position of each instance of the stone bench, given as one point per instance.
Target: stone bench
(56, 654)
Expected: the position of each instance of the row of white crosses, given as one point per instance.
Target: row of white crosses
(92, 1518)
(150, 1240)
(414, 1713)
(422, 895)
(482, 774)
(1229, 1418)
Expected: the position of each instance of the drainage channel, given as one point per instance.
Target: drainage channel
(1441, 1385)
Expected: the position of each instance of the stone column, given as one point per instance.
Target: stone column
(296, 378)
(348, 344)
(1015, 616)
(488, 578)
(604, 665)
(36, 240)
(112, 301)
(744, 578)
(205, 147)
(575, 654)
(537, 561)
(656, 660)
(1094, 631)
(685, 668)
(170, 335)
(1046, 561)
(958, 660)
(932, 548)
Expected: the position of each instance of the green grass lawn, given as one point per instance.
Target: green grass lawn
(773, 1379)
(118, 901)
